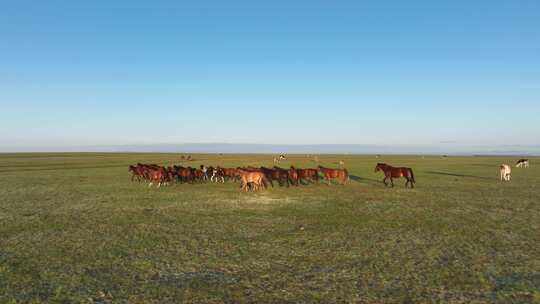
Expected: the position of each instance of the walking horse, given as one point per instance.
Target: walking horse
(395, 172)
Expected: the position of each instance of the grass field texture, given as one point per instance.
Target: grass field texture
(75, 229)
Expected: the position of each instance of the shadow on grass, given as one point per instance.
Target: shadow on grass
(61, 168)
(360, 179)
(484, 165)
(459, 175)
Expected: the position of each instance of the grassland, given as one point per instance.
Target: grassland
(74, 229)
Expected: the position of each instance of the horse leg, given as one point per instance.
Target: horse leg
(392, 181)
(384, 181)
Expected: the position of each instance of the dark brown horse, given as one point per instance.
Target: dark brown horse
(230, 173)
(395, 172)
(184, 175)
(329, 173)
(137, 172)
(277, 174)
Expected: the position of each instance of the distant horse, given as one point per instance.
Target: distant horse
(505, 172)
(522, 163)
(329, 173)
(395, 172)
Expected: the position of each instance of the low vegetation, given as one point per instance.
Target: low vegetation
(75, 229)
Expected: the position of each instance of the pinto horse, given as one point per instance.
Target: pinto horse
(395, 172)
(329, 173)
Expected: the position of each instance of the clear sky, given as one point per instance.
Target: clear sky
(357, 72)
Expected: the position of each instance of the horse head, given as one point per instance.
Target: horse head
(379, 167)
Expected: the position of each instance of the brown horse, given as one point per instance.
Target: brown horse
(395, 172)
(276, 174)
(137, 172)
(307, 174)
(293, 176)
(254, 178)
(230, 173)
(329, 173)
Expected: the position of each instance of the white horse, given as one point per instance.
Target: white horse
(522, 163)
(505, 172)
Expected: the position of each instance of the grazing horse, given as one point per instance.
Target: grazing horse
(505, 172)
(395, 172)
(328, 173)
(522, 163)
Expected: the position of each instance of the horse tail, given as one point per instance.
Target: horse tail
(346, 174)
(412, 175)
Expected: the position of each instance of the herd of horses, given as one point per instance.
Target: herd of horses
(252, 178)
(506, 172)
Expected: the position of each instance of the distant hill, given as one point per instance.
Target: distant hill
(291, 149)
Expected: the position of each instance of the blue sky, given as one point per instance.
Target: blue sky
(291, 72)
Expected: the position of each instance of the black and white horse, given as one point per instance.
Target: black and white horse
(522, 163)
(217, 176)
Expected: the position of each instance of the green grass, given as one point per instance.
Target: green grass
(74, 229)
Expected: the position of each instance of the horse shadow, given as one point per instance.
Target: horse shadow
(459, 175)
(360, 179)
